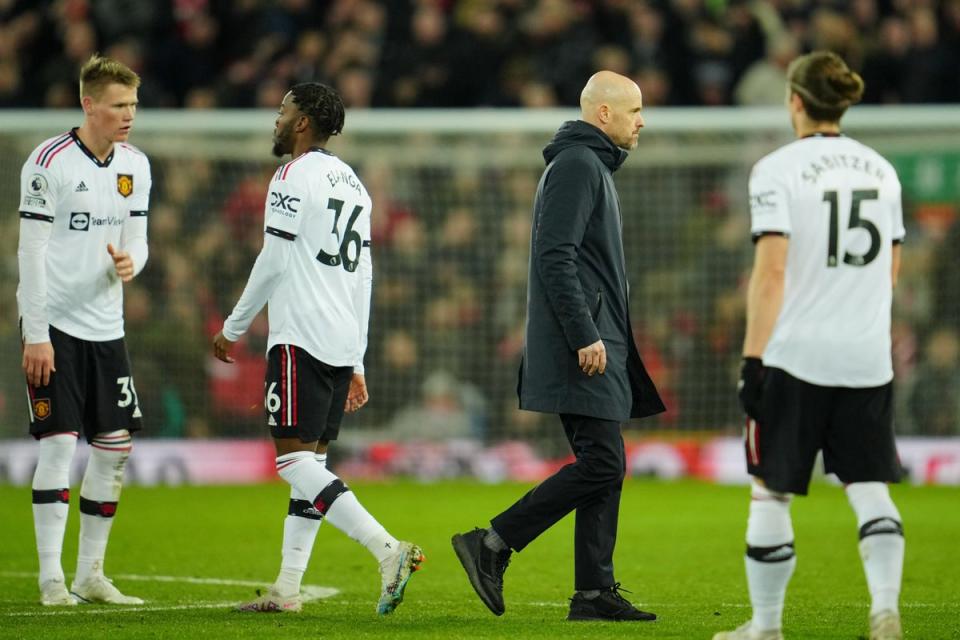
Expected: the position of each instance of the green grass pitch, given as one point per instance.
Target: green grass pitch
(680, 552)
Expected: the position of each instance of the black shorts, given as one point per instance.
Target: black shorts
(92, 389)
(303, 397)
(853, 427)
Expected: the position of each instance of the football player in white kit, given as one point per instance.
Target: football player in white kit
(83, 232)
(316, 273)
(817, 373)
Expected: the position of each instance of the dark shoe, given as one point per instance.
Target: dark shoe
(484, 567)
(609, 605)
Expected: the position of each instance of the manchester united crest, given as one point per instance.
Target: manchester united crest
(41, 408)
(124, 184)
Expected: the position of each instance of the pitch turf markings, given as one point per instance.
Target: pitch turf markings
(310, 592)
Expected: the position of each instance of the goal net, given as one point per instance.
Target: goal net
(452, 193)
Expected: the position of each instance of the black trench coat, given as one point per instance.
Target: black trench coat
(578, 291)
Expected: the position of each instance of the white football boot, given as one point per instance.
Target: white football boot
(747, 632)
(885, 625)
(100, 590)
(395, 572)
(273, 602)
(53, 593)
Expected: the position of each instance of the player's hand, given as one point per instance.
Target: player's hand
(122, 262)
(221, 348)
(593, 358)
(357, 395)
(750, 386)
(38, 363)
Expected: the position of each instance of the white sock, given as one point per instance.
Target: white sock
(299, 533)
(99, 495)
(348, 515)
(881, 543)
(770, 558)
(333, 499)
(51, 501)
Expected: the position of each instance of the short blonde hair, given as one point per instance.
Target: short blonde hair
(99, 71)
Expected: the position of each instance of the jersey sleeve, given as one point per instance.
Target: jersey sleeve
(38, 192)
(898, 229)
(365, 291)
(264, 279)
(140, 198)
(286, 197)
(769, 203)
(134, 234)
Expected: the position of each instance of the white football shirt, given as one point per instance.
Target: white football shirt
(319, 299)
(88, 204)
(838, 201)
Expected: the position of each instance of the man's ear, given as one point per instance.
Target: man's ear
(87, 103)
(603, 113)
(303, 123)
(796, 102)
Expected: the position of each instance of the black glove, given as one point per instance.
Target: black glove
(750, 387)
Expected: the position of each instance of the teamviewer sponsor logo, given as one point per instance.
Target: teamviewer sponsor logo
(80, 221)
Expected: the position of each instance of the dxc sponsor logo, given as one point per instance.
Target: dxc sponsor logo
(284, 203)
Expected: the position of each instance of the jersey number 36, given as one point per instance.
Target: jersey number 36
(350, 243)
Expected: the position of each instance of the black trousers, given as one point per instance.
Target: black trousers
(591, 485)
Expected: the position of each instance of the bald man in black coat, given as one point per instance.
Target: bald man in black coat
(579, 360)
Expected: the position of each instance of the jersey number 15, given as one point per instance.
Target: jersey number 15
(855, 222)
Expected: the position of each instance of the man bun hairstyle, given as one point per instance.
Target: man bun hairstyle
(100, 71)
(825, 84)
(322, 105)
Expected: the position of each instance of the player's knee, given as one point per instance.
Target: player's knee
(759, 492)
(56, 451)
(329, 495)
(769, 526)
(53, 462)
(113, 442)
(876, 512)
(109, 452)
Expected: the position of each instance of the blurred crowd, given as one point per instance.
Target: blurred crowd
(466, 53)
(450, 254)
(451, 242)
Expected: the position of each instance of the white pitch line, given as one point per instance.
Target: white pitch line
(310, 592)
(148, 578)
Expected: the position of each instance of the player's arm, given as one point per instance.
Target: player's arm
(764, 299)
(283, 217)
(37, 212)
(765, 293)
(357, 396)
(895, 265)
(38, 356)
(265, 277)
(771, 227)
(130, 258)
(899, 231)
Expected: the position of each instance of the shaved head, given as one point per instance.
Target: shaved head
(612, 103)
